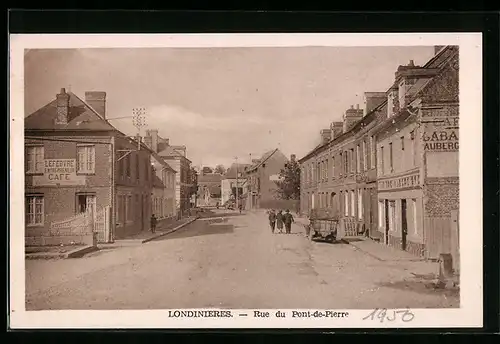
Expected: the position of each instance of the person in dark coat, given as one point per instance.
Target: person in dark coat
(272, 220)
(153, 223)
(288, 220)
(279, 221)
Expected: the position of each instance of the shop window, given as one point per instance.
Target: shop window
(414, 216)
(34, 159)
(34, 212)
(392, 216)
(86, 159)
(381, 214)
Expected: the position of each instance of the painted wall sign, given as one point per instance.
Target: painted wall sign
(441, 134)
(59, 172)
(399, 182)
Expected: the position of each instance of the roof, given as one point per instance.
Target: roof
(262, 160)
(209, 177)
(157, 182)
(81, 116)
(231, 171)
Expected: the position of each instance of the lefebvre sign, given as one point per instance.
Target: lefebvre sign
(59, 172)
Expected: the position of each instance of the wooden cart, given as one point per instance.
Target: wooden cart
(323, 225)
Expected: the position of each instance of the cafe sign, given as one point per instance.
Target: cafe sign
(59, 172)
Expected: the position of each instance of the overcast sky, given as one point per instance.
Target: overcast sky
(222, 102)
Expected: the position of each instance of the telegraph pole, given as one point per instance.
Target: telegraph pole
(139, 120)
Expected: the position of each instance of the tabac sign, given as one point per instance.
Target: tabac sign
(441, 134)
(59, 172)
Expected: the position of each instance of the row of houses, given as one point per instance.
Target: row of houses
(390, 171)
(76, 160)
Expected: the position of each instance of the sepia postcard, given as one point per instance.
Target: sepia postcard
(246, 181)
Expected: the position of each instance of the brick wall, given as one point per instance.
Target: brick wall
(441, 197)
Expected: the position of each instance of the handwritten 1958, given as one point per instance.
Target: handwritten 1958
(392, 315)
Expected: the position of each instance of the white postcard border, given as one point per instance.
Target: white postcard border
(470, 312)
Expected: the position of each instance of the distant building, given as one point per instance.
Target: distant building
(176, 157)
(262, 175)
(209, 189)
(230, 182)
(76, 160)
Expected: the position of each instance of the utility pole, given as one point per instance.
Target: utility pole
(139, 120)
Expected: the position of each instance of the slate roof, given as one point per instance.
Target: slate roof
(81, 116)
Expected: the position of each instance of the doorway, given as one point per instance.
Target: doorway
(84, 202)
(404, 225)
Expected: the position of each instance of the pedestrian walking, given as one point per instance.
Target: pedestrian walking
(272, 220)
(288, 220)
(279, 221)
(153, 223)
(240, 207)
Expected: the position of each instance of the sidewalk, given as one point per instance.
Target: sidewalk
(164, 227)
(380, 251)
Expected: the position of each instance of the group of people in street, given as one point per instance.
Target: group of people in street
(278, 219)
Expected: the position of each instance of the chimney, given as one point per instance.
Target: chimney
(97, 100)
(326, 135)
(62, 101)
(292, 157)
(351, 117)
(336, 129)
(372, 100)
(153, 133)
(411, 64)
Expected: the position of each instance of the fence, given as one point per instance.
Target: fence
(78, 229)
(351, 227)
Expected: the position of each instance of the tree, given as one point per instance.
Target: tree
(207, 170)
(289, 182)
(220, 169)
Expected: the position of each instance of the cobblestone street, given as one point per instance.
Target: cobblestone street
(237, 263)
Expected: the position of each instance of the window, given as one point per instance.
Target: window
(381, 213)
(34, 210)
(360, 204)
(392, 215)
(346, 162)
(353, 204)
(358, 162)
(346, 203)
(86, 159)
(402, 143)
(34, 159)
(146, 169)
(372, 152)
(327, 168)
(341, 165)
(353, 160)
(365, 164)
(333, 167)
(381, 157)
(414, 214)
(390, 157)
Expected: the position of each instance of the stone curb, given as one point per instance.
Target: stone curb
(353, 244)
(168, 232)
(76, 253)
